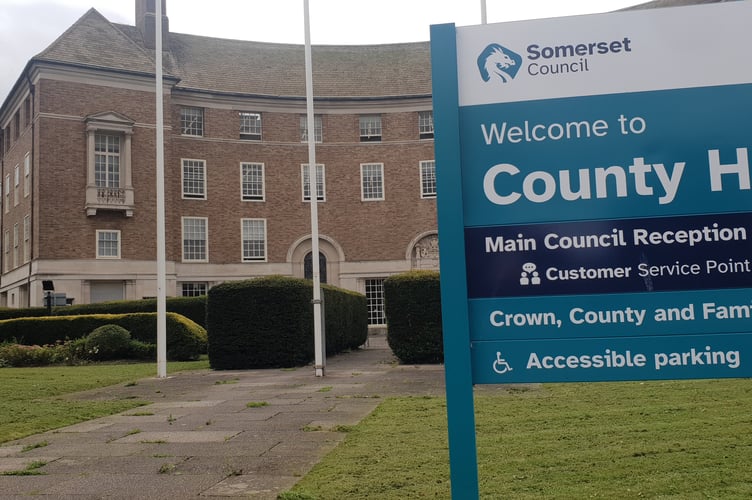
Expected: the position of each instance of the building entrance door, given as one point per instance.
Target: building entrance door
(308, 267)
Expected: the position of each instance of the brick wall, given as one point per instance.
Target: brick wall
(366, 230)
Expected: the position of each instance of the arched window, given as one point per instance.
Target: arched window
(308, 267)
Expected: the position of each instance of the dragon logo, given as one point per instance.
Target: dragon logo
(498, 63)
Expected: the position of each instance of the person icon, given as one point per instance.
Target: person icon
(524, 280)
(529, 274)
(535, 280)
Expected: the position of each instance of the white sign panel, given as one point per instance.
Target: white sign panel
(637, 51)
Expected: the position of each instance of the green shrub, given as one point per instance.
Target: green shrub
(345, 319)
(185, 339)
(413, 307)
(29, 312)
(193, 308)
(109, 342)
(70, 352)
(142, 350)
(73, 352)
(12, 354)
(260, 323)
(268, 322)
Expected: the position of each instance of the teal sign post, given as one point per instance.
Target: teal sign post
(595, 207)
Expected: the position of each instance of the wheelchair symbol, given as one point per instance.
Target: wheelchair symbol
(500, 365)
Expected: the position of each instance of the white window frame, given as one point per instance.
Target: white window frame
(374, 292)
(205, 235)
(251, 126)
(370, 128)
(6, 249)
(16, 185)
(318, 128)
(366, 192)
(248, 256)
(305, 183)
(250, 195)
(197, 285)
(102, 232)
(426, 180)
(112, 159)
(425, 124)
(27, 175)
(16, 244)
(192, 121)
(27, 238)
(7, 193)
(189, 191)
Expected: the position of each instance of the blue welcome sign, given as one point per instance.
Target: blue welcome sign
(595, 206)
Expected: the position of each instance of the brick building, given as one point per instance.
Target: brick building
(78, 159)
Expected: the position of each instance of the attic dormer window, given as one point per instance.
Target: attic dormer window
(370, 128)
(192, 121)
(425, 124)
(250, 126)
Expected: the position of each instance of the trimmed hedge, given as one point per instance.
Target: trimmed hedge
(268, 322)
(193, 308)
(345, 318)
(186, 340)
(413, 307)
(28, 312)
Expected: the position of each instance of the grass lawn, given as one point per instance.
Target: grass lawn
(31, 398)
(664, 439)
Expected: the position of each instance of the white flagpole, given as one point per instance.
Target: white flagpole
(318, 334)
(161, 272)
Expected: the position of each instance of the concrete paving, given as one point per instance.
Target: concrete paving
(207, 434)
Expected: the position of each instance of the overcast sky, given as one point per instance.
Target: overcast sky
(28, 26)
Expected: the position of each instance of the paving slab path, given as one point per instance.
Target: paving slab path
(251, 433)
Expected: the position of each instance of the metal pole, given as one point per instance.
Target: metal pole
(483, 17)
(318, 336)
(161, 253)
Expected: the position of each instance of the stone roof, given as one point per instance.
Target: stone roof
(95, 42)
(250, 68)
(279, 69)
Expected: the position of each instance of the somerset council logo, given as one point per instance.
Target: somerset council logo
(498, 63)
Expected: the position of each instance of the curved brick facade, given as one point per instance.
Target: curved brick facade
(78, 164)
